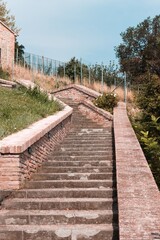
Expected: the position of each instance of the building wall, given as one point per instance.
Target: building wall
(7, 45)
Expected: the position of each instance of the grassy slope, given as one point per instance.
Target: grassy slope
(19, 108)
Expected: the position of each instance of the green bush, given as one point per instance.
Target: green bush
(147, 125)
(107, 101)
(3, 74)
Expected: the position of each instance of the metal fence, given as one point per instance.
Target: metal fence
(41, 64)
(75, 70)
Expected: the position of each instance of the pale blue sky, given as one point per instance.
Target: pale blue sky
(87, 29)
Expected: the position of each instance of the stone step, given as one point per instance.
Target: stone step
(90, 132)
(65, 193)
(59, 203)
(70, 184)
(79, 139)
(78, 163)
(83, 148)
(81, 158)
(71, 140)
(57, 232)
(76, 144)
(49, 217)
(96, 169)
(82, 153)
(72, 176)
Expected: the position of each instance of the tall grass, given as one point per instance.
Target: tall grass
(50, 83)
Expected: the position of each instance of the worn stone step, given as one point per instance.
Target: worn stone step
(83, 148)
(86, 141)
(57, 232)
(49, 217)
(60, 203)
(89, 132)
(83, 153)
(76, 144)
(66, 169)
(79, 140)
(65, 193)
(81, 158)
(70, 184)
(72, 176)
(78, 163)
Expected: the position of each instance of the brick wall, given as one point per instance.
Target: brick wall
(138, 194)
(99, 116)
(7, 46)
(22, 153)
(76, 92)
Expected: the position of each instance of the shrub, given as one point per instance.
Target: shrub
(147, 125)
(107, 101)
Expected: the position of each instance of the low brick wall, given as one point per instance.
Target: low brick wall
(97, 115)
(84, 96)
(138, 194)
(23, 152)
(76, 92)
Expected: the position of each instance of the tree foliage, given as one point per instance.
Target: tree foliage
(6, 18)
(19, 52)
(75, 68)
(139, 53)
(147, 125)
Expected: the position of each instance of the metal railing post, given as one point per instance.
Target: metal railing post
(125, 88)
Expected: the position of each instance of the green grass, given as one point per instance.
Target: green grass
(21, 107)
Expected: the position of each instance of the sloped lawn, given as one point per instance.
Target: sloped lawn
(21, 107)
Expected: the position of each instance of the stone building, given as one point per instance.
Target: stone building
(7, 46)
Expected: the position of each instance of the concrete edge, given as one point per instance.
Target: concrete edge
(100, 111)
(20, 141)
(3, 81)
(138, 194)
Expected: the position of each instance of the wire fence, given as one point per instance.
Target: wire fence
(41, 64)
(74, 69)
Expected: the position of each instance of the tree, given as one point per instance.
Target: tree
(19, 52)
(139, 53)
(6, 18)
(73, 69)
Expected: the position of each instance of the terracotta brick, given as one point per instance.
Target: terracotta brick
(7, 45)
(138, 194)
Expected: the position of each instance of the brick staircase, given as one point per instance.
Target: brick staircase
(73, 195)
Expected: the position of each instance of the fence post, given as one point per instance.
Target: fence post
(64, 70)
(42, 64)
(115, 82)
(89, 75)
(74, 72)
(81, 70)
(102, 79)
(125, 87)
